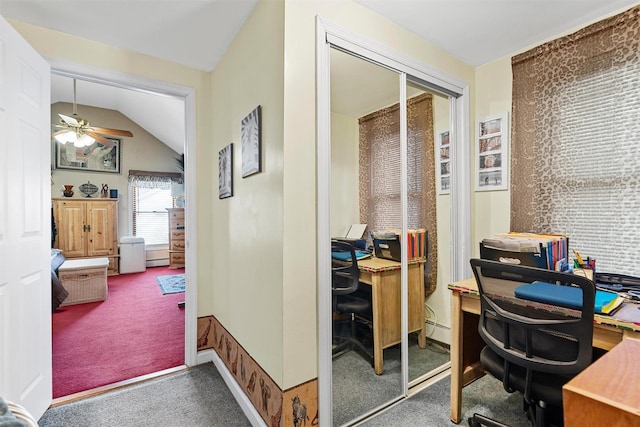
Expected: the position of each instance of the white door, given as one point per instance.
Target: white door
(25, 224)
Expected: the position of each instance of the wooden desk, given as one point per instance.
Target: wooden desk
(384, 278)
(466, 342)
(606, 393)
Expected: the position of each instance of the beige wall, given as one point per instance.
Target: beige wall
(245, 261)
(141, 152)
(493, 96)
(344, 174)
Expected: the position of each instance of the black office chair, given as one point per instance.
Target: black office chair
(532, 347)
(345, 278)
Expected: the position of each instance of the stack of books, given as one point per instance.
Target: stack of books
(416, 240)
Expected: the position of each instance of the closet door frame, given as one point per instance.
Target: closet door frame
(330, 35)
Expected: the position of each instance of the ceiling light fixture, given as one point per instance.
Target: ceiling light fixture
(78, 139)
(78, 131)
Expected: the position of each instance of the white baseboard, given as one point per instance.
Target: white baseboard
(245, 404)
(438, 332)
(204, 356)
(157, 262)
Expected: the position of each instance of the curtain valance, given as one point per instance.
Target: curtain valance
(151, 179)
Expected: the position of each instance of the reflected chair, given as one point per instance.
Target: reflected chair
(533, 345)
(345, 278)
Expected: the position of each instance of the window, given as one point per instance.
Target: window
(150, 217)
(576, 141)
(380, 205)
(151, 197)
(379, 174)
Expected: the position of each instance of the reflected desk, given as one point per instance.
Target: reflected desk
(384, 278)
(466, 342)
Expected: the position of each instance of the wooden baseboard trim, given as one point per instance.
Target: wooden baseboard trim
(109, 387)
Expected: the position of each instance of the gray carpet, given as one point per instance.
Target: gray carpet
(199, 397)
(430, 407)
(357, 389)
(196, 397)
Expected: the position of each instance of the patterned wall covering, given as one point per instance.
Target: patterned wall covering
(576, 102)
(295, 407)
(379, 145)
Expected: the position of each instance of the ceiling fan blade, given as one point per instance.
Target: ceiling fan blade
(115, 132)
(68, 120)
(100, 139)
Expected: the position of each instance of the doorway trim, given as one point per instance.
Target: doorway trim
(330, 35)
(161, 88)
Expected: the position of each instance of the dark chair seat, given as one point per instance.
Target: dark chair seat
(352, 304)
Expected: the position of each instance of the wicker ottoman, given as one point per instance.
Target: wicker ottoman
(85, 279)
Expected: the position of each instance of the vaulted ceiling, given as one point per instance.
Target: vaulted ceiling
(197, 33)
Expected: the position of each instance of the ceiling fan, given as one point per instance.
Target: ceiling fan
(79, 131)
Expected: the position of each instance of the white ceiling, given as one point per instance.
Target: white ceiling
(197, 33)
(160, 115)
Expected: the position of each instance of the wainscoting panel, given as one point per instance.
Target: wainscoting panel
(300, 403)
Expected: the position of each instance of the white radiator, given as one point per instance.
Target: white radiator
(157, 257)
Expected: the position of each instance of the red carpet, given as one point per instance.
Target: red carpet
(136, 331)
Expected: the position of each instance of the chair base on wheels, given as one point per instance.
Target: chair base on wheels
(478, 420)
(343, 344)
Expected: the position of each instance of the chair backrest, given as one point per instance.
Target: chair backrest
(345, 275)
(535, 333)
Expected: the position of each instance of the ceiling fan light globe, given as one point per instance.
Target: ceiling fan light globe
(86, 140)
(63, 138)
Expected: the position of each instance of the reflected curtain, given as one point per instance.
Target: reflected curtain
(575, 155)
(379, 173)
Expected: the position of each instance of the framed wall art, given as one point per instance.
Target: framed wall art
(225, 172)
(93, 158)
(251, 134)
(492, 160)
(443, 162)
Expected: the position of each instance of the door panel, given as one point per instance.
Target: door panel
(25, 230)
(361, 94)
(100, 238)
(70, 218)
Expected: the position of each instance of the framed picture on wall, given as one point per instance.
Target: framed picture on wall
(251, 134)
(443, 160)
(492, 148)
(93, 158)
(225, 172)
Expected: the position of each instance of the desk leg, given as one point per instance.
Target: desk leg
(376, 300)
(456, 356)
(422, 338)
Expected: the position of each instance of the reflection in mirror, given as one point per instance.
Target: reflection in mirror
(365, 155)
(428, 175)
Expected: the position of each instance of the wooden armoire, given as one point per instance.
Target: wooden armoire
(87, 228)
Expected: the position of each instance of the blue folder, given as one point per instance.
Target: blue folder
(346, 256)
(563, 296)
